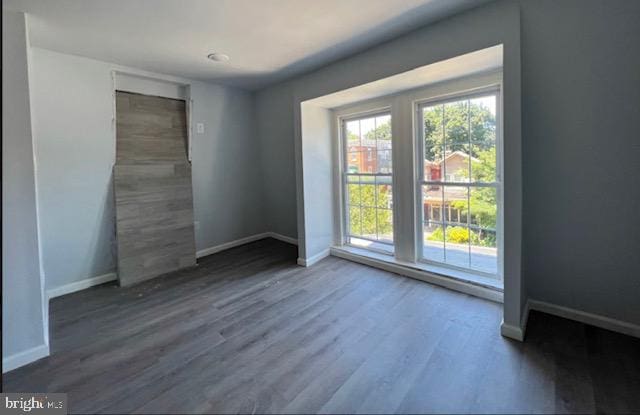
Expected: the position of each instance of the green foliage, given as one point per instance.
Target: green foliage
(382, 132)
(363, 215)
(462, 235)
(437, 235)
(352, 138)
(451, 122)
(457, 234)
(482, 200)
(485, 238)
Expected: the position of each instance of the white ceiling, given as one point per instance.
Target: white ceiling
(267, 40)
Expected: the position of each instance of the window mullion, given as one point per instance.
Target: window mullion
(442, 191)
(470, 179)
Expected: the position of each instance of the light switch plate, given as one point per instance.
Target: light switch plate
(200, 128)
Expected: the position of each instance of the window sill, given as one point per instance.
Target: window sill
(468, 283)
(461, 275)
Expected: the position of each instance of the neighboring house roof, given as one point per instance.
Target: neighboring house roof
(451, 193)
(456, 153)
(460, 153)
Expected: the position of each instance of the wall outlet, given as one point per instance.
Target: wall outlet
(200, 128)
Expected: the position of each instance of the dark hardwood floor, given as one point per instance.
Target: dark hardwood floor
(249, 331)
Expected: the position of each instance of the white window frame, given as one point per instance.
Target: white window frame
(344, 174)
(420, 179)
(406, 176)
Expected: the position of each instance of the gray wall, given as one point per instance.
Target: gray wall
(581, 138)
(227, 191)
(581, 97)
(22, 302)
(75, 152)
(74, 149)
(274, 127)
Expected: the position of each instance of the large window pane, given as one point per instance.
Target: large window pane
(459, 144)
(369, 184)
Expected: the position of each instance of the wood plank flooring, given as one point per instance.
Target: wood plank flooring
(249, 331)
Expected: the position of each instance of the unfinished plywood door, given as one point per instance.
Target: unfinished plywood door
(154, 201)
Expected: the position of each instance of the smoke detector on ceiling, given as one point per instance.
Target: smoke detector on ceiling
(218, 57)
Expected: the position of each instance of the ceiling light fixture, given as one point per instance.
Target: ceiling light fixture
(218, 57)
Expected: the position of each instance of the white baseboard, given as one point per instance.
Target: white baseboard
(232, 244)
(81, 285)
(245, 240)
(283, 238)
(512, 332)
(24, 357)
(516, 332)
(585, 317)
(112, 276)
(307, 262)
(450, 283)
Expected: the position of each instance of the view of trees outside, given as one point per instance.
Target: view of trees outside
(369, 168)
(460, 150)
(460, 147)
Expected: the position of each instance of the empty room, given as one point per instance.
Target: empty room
(320, 206)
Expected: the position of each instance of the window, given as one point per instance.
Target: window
(460, 213)
(367, 175)
(444, 214)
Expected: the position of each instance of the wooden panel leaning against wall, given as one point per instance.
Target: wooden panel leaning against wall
(152, 182)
